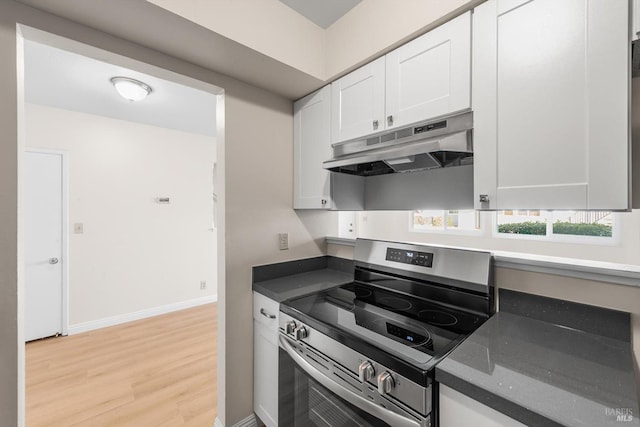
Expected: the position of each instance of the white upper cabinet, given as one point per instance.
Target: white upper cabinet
(357, 102)
(430, 76)
(312, 146)
(425, 78)
(551, 104)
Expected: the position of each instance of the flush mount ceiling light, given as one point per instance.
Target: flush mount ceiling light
(131, 89)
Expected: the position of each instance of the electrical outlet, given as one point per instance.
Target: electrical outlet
(284, 241)
(203, 284)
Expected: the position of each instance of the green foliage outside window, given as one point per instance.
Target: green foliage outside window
(540, 229)
(527, 227)
(582, 229)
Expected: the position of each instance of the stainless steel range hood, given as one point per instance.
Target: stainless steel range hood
(428, 145)
(428, 165)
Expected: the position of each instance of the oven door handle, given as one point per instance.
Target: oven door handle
(377, 411)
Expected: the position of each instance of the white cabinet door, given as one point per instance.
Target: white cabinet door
(430, 76)
(357, 102)
(456, 410)
(265, 381)
(311, 147)
(265, 359)
(551, 104)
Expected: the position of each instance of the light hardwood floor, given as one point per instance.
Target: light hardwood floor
(154, 372)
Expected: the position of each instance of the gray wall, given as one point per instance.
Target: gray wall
(11, 369)
(255, 140)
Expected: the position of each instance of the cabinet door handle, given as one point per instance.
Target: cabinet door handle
(484, 198)
(375, 125)
(390, 120)
(323, 201)
(267, 315)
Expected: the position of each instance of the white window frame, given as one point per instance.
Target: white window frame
(614, 240)
(444, 230)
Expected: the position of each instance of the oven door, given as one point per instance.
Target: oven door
(308, 397)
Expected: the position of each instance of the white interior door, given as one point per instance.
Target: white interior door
(43, 240)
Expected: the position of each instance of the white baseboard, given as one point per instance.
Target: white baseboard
(250, 421)
(137, 315)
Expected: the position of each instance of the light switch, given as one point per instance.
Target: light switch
(283, 241)
(78, 228)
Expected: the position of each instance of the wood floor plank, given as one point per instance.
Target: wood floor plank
(159, 371)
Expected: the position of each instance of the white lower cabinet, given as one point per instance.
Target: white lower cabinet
(457, 410)
(265, 359)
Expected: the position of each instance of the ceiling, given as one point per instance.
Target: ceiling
(62, 79)
(322, 13)
(146, 24)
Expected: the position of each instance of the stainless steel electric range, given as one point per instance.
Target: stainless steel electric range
(363, 354)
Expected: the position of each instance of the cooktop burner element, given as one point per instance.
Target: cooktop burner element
(438, 318)
(395, 303)
(412, 306)
(362, 292)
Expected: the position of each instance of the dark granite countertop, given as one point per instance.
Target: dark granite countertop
(292, 279)
(546, 374)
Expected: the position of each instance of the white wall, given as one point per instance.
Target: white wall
(374, 26)
(134, 254)
(267, 26)
(395, 226)
(272, 28)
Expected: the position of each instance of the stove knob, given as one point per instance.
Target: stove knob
(385, 383)
(300, 332)
(365, 371)
(290, 326)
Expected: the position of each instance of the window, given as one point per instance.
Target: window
(533, 223)
(442, 221)
(597, 226)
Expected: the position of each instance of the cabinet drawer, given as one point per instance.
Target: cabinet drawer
(263, 310)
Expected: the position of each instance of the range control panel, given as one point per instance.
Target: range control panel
(405, 334)
(423, 259)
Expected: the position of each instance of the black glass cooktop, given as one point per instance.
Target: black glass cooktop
(410, 328)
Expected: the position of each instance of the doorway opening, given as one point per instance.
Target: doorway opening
(141, 229)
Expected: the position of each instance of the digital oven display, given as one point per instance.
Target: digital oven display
(423, 259)
(405, 334)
